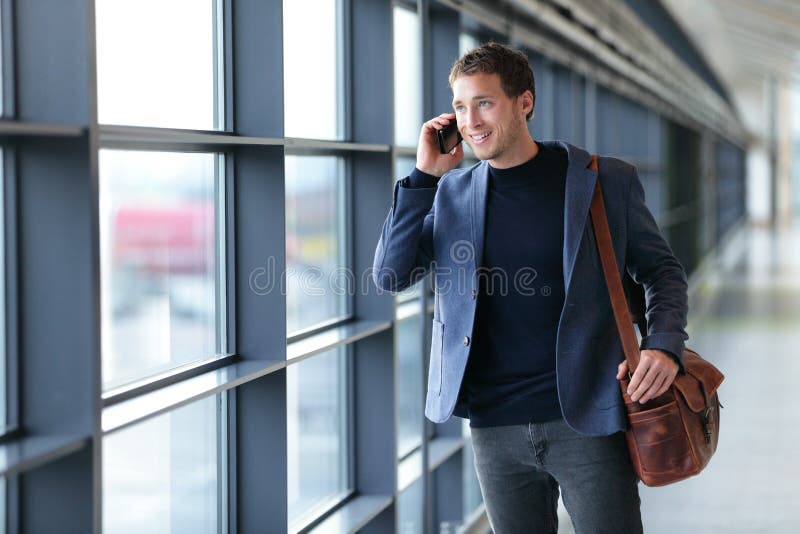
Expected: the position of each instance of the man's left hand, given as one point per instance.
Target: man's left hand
(653, 376)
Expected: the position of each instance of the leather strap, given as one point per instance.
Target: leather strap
(611, 272)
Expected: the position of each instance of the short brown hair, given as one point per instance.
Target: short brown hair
(510, 64)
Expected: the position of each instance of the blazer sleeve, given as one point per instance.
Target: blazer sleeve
(405, 248)
(650, 262)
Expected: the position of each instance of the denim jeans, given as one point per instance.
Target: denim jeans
(521, 467)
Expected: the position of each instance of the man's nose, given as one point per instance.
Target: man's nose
(472, 118)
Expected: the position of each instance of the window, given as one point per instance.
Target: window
(403, 165)
(168, 474)
(162, 262)
(3, 501)
(410, 510)
(2, 65)
(318, 435)
(410, 394)
(159, 63)
(312, 73)
(317, 280)
(3, 359)
(407, 77)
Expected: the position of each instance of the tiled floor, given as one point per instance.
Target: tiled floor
(745, 318)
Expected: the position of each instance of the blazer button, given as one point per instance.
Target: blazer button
(466, 341)
(474, 294)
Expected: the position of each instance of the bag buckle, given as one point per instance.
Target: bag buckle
(706, 419)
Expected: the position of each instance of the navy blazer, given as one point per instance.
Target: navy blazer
(441, 230)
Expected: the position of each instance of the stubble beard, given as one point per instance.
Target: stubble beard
(509, 140)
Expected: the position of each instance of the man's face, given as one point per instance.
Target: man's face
(492, 123)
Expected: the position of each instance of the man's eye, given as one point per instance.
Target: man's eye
(459, 109)
(483, 103)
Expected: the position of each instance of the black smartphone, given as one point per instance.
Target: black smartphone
(449, 137)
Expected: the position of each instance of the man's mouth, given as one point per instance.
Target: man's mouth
(480, 137)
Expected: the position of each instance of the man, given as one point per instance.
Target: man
(524, 341)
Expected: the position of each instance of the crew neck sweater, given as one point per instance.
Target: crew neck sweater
(511, 371)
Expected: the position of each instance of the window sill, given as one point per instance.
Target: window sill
(9, 128)
(29, 452)
(147, 405)
(354, 515)
(332, 338)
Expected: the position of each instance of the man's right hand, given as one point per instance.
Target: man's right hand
(429, 159)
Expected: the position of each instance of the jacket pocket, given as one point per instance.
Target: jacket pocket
(435, 369)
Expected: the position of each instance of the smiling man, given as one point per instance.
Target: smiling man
(523, 338)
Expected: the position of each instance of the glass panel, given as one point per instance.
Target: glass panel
(167, 474)
(162, 284)
(3, 502)
(317, 428)
(403, 165)
(407, 77)
(728, 156)
(409, 510)
(317, 280)
(410, 395)
(1, 64)
(158, 63)
(3, 404)
(312, 46)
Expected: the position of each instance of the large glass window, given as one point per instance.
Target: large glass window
(312, 69)
(317, 280)
(409, 510)
(168, 473)
(318, 435)
(407, 77)
(3, 359)
(2, 66)
(162, 262)
(159, 63)
(3, 502)
(410, 394)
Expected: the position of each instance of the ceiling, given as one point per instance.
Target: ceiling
(745, 41)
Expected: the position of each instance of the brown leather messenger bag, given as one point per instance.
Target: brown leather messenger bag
(673, 436)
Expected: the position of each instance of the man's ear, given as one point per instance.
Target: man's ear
(527, 101)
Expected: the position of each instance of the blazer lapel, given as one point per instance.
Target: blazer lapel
(577, 198)
(480, 184)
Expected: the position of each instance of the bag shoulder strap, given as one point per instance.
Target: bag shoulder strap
(611, 273)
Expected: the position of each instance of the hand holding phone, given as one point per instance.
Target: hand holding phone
(434, 155)
(449, 137)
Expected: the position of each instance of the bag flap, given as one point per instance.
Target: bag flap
(700, 381)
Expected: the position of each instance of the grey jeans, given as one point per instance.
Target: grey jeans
(521, 467)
